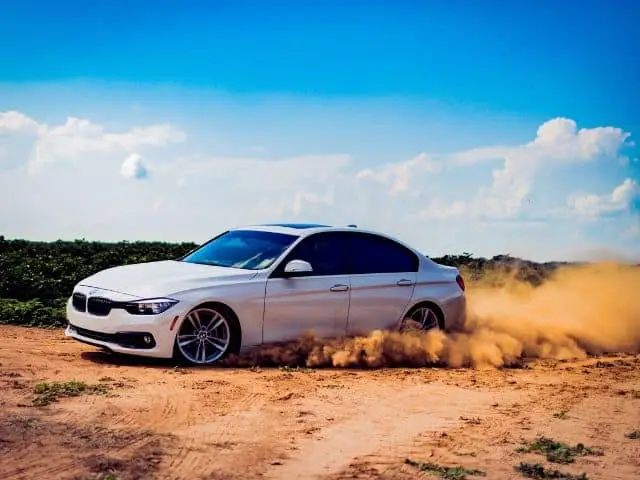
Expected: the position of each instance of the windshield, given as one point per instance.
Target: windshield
(250, 249)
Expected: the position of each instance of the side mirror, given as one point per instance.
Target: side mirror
(297, 267)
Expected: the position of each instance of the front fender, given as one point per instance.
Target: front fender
(246, 299)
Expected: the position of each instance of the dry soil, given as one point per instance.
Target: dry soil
(156, 421)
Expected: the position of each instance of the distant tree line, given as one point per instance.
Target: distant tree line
(36, 278)
(501, 267)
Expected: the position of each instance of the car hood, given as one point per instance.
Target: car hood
(164, 277)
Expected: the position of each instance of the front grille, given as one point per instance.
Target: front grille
(99, 306)
(79, 301)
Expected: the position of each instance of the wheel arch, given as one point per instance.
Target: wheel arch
(228, 310)
(437, 309)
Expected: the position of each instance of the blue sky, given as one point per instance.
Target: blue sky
(219, 113)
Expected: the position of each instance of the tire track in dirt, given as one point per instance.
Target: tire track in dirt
(150, 407)
(199, 440)
(387, 420)
(144, 409)
(31, 422)
(300, 423)
(155, 407)
(68, 444)
(30, 465)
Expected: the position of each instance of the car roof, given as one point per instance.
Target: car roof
(306, 229)
(297, 229)
(297, 226)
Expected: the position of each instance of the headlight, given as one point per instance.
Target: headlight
(151, 306)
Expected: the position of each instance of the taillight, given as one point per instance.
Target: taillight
(460, 282)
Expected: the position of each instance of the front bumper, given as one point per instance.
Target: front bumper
(121, 332)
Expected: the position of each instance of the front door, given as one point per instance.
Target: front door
(317, 301)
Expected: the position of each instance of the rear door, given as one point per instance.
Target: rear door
(317, 301)
(383, 276)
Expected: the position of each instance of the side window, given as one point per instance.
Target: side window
(376, 254)
(326, 252)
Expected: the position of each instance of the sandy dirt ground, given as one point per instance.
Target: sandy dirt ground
(152, 420)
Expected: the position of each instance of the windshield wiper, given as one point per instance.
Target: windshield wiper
(210, 264)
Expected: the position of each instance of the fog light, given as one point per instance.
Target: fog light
(147, 339)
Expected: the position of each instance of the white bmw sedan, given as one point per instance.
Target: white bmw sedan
(262, 284)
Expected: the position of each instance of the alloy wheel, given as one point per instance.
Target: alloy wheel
(204, 336)
(422, 318)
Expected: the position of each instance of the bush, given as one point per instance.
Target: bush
(32, 313)
(37, 278)
(49, 270)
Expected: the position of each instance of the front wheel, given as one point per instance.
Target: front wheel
(421, 317)
(206, 335)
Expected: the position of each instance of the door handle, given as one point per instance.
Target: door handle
(340, 287)
(404, 283)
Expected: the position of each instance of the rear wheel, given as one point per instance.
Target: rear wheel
(422, 317)
(207, 334)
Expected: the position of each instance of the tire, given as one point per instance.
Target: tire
(207, 334)
(424, 316)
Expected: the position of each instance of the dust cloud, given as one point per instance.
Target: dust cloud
(579, 311)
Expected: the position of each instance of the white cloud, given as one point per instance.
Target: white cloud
(591, 205)
(558, 141)
(313, 198)
(78, 137)
(398, 175)
(16, 121)
(561, 139)
(248, 172)
(283, 187)
(134, 167)
(428, 199)
(625, 192)
(439, 209)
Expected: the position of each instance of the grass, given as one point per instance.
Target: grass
(557, 452)
(537, 471)
(635, 435)
(47, 393)
(450, 473)
(32, 313)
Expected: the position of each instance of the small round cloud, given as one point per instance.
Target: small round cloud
(134, 167)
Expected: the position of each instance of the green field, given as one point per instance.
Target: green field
(36, 278)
